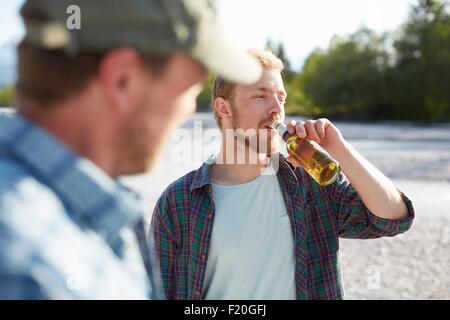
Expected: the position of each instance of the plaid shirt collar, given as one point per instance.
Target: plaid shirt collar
(84, 188)
(202, 176)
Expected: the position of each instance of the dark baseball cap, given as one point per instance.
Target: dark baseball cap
(149, 26)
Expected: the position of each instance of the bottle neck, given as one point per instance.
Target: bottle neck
(282, 131)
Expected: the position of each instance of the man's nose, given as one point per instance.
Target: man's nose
(276, 107)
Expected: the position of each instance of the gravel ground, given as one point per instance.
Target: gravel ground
(414, 265)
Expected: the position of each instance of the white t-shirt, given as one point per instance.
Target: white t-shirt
(251, 255)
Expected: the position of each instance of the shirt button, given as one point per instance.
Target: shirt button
(204, 256)
(210, 216)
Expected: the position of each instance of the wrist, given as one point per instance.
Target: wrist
(340, 150)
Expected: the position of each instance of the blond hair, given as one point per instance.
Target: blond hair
(225, 89)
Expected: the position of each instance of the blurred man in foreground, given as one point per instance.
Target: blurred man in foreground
(99, 91)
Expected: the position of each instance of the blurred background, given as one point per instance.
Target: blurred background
(353, 60)
(380, 70)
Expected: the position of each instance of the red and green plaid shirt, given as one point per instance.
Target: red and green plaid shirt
(182, 224)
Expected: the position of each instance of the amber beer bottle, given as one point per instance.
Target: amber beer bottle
(322, 167)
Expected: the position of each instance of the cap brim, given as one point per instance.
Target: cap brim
(221, 57)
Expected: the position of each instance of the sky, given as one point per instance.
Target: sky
(10, 23)
(300, 25)
(303, 25)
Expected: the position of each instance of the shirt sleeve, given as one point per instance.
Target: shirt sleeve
(164, 244)
(356, 221)
(17, 282)
(16, 286)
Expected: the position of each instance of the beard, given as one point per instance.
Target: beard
(138, 145)
(260, 140)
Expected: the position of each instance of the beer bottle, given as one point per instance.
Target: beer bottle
(322, 167)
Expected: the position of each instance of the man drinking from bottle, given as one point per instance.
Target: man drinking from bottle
(232, 230)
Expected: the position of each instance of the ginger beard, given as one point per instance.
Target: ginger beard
(257, 138)
(140, 144)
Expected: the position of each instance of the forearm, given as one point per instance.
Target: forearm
(377, 192)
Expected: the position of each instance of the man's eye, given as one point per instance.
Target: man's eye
(261, 97)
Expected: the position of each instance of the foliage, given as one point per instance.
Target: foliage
(204, 98)
(7, 96)
(403, 75)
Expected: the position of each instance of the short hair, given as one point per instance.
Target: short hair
(48, 77)
(222, 88)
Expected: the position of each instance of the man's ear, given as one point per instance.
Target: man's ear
(223, 108)
(119, 78)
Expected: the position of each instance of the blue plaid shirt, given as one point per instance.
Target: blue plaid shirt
(67, 230)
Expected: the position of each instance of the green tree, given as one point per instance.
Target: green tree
(7, 96)
(346, 80)
(297, 103)
(278, 49)
(421, 78)
(367, 77)
(204, 98)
